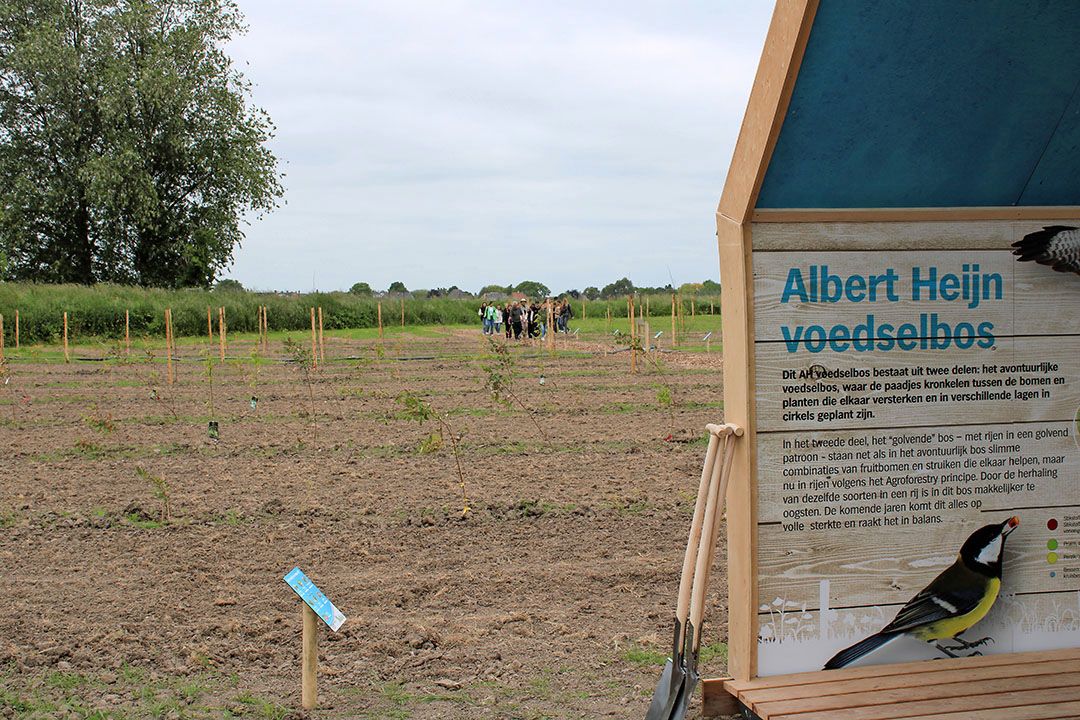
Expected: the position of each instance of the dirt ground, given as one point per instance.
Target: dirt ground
(141, 561)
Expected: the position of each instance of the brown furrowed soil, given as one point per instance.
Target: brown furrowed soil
(550, 598)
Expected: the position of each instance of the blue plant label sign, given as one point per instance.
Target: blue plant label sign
(315, 599)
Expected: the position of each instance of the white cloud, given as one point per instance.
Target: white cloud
(469, 142)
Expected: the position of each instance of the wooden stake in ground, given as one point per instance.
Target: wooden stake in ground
(402, 312)
(67, 355)
(550, 326)
(322, 346)
(209, 325)
(314, 351)
(608, 319)
(16, 329)
(380, 321)
(310, 640)
(221, 332)
(127, 332)
(693, 307)
(584, 302)
(264, 331)
(712, 309)
(674, 342)
(168, 346)
(633, 335)
(1, 337)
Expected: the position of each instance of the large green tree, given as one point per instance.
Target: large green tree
(532, 289)
(620, 287)
(129, 149)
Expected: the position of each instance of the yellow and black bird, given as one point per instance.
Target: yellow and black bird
(954, 601)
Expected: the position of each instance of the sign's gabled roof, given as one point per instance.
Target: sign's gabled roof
(931, 104)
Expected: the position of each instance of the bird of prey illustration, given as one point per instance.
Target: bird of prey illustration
(1057, 246)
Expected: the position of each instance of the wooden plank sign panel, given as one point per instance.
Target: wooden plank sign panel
(905, 397)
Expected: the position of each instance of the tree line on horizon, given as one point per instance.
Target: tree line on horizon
(534, 289)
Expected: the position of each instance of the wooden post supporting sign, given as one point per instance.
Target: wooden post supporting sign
(316, 607)
(310, 659)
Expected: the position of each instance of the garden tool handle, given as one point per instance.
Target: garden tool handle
(713, 514)
(690, 558)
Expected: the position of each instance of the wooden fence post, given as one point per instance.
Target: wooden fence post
(67, 355)
(322, 346)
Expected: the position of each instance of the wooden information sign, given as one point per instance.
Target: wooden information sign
(900, 267)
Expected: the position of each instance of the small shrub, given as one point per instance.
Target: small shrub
(160, 489)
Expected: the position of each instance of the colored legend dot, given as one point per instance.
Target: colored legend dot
(1051, 557)
(1053, 574)
(1051, 544)
(1051, 524)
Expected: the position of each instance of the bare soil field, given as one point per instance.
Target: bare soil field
(141, 561)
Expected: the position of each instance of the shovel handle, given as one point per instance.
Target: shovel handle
(690, 558)
(713, 514)
(725, 478)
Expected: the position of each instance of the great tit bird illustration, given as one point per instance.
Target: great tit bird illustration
(1057, 246)
(954, 601)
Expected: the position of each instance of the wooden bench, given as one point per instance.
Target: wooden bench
(1016, 686)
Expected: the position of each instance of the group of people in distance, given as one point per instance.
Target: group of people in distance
(523, 319)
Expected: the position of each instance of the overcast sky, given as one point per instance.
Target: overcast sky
(468, 142)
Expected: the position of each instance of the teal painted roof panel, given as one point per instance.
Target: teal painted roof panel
(933, 104)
